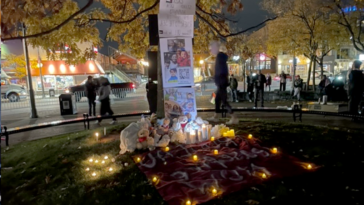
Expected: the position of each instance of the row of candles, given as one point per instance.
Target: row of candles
(110, 169)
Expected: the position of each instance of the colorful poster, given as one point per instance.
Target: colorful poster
(175, 25)
(176, 61)
(177, 7)
(180, 102)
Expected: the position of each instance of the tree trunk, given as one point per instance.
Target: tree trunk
(160, 94)
(321, 60)
(313, 75)
(309, 75)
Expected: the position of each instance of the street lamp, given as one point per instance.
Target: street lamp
(201, 62)
(40, 66)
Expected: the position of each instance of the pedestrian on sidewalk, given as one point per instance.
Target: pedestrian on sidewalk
(259, 88)
(104, 98)
(356, 87)
(249, 81)
(323, 86)
(298, 83)
(151, 89)
(90, 92)
(222, 82)
(283, 81)
(234, 88)
(269, 82)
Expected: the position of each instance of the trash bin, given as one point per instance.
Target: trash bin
(67, 103)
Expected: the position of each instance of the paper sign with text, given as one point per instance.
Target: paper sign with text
(175, 25)
(177, 7)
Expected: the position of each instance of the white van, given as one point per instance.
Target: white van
(11, 92)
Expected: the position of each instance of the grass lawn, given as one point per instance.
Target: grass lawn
(53, 171)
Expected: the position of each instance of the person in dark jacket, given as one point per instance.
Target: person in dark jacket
(298, 83)
(104, 93)
(90, 92)
(269, 82)
(222, 82)
(249, 82)
(283, 81)
(234, 87)
(151, 89)
(356, 87)
(259, 82)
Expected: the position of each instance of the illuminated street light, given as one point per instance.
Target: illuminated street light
(202, 61)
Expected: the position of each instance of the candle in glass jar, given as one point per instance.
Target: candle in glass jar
(212, 139)
(216, 152)
(204, 132)
(274, 150)
(192, 136)
(195, 158)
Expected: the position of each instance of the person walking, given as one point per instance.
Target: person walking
(259, 88)
(222, 82)
(249, 81)
(104, 93)
(283, 81)
(298, 83)
(323, 86)
(234, 88)
(90, 92)
(269, 82)
(356, 88)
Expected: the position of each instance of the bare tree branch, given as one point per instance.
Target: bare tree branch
(215, 15)
(55, 28)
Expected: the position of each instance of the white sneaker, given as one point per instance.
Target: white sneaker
(250, 100)
(97, 122)
(233, 121)
(112, 122)
(213, 118)
(237, 101)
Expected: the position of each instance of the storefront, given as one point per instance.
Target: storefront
(57, 75)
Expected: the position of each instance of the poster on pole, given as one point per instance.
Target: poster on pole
(177, 7)
(175, 25)
(176, 61)
(180, 102)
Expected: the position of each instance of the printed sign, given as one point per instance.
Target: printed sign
(180, 102)
(177, 7)
(175, 25)
(176, 61)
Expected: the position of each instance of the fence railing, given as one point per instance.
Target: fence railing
(80, 96)
(297, 112)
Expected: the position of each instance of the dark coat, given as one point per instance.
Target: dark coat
(221, 71)
(259, 81)
(269, 80)
(90, 90)
(356, 82)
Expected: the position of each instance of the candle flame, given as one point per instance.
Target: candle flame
(96, 161)
(155, 179)
(167, 149)
(250, 136)
(195, 157)
(106, 157)
(214, 191)
(91, 160)
(87, 169)
(216, 151)
(309, 166)
(138, 159)
(212, 139)
(264, 176)
(103, 162)
(188, 202)
(94, 174)
(110, 169)
(274, 150)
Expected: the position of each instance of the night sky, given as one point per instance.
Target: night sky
(250, 16)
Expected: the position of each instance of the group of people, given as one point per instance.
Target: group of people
(104, 91)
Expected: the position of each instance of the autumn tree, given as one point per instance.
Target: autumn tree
(18, 64)
(303, 27)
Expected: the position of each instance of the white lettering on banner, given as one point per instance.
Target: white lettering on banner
(175, 25)
(177, 7)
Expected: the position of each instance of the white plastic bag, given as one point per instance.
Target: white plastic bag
(129, 138)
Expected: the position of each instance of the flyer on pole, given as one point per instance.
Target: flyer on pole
(180, 102)
(177, 7)
(177, 62)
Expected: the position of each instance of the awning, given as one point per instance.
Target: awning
(125, 58)
(61, 68)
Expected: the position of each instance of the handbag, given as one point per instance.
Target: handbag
(212, 99)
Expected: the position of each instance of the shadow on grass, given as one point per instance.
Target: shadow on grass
(61, 161)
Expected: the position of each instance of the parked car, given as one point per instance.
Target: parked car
(12, 92)
(79, 90)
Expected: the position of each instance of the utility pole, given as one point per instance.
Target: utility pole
(294, 70)
(33, 110)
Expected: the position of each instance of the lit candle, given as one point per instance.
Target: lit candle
(199, 135)
(212, 139)
(192, 136)
(110, 169)
(167, 149)
(204, 132)
(103, 162)
(96, 161)
(309, 166)
(106, 157)
(264, 176)
(154, 179)
(250, 136)
(97, 136)
(138, 159)
(209, 127)
(90, 160)
(195, 158)
(216, 152)
(87, 169)
(274, 150)
(188, 202)
(214, 191)
(93, 174)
